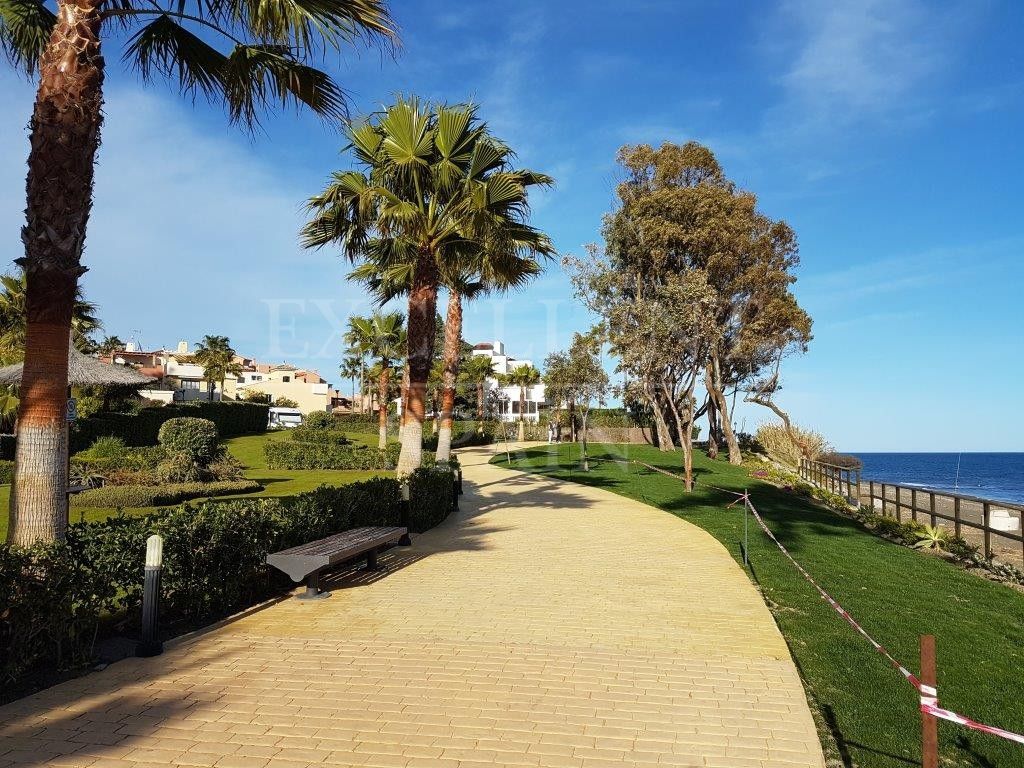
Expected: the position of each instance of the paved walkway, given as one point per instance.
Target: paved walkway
(547, 624)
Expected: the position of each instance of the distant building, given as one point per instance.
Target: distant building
(181, 378)
(507, 398)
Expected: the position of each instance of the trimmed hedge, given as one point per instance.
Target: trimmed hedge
(52, 596)
(143, 459)
(6, 472)
(306, 434)
(232, 418)
(115, 496)
(282, 454)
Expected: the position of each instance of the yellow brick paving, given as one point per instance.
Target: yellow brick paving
(545, 624)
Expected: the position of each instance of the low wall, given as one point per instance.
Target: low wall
(639, 435)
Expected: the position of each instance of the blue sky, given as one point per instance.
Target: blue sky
(887, 132)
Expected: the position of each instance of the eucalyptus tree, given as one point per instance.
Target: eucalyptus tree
(523, 376)
(382, 337)
(432, 189)
(246, 56)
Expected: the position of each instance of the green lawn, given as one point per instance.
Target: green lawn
(867, 711)
(249, 451)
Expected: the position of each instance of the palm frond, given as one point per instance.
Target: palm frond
(308, 25)
(165, 47)
(25, 27)
(257, 76)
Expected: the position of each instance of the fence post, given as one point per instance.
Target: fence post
(885, 498)
(871, 495)
(931, 506)
(898, 518)
(913, 504)
(858, 487)
(986, 520)
(929, 725)
(956, 515)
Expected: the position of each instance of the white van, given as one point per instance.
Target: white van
(284, 418)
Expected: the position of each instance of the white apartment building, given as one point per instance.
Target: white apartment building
(508, 396)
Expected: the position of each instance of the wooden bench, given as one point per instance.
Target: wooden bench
(307, 561)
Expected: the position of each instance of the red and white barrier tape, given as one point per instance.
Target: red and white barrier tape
(929, 695)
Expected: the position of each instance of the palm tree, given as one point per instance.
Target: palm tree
(383, 338)
(13, 319)
(434, 188)
(476, 369)
(217, 357)
(246, 56)
(352, 369)
(522, 376)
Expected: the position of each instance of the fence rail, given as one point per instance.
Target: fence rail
(996, 523)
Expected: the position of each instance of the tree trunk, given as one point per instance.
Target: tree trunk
(383, 385)
(522, 414)
(64, 138)
(725, 417)
(586, 460)
(452, 359)
(480, 405)
(712, 420)
(422, 311)
(660, 425)
(685, 429)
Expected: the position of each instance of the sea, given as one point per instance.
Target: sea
(996, 476)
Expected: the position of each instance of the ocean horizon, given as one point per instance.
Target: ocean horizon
(996, 476)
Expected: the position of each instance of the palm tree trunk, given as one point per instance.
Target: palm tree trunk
(422, 311)
(522, 414)
(382, 412)
(452, 358)
(64, 138)
(480, 405)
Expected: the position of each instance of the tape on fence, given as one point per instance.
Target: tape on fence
(929, 695)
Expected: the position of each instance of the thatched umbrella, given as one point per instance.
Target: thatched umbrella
(83, 371)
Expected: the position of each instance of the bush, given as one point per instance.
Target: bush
(283, 454)
(138, 429)
(181, 468)
(306, 434)
(320, 420)
(195, 438)
(779, 444)
(124, 496)
(107, 447)
(840, 460)
(130, 460)
(52, 596)
(6, 472)
(357, 422)
(7, 447)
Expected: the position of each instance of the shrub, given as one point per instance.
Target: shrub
(124, 496)
(357, 422)
(285, 402)
(320, 420)
(107, 447)
(181, 468)
(6, 472)
(195, 438)
(283, 454)
(962, 549)
(131, 460)
(137, 429)
(7, 447)
(306, 434)
(780, 445)
(52, 596)
(840, 460)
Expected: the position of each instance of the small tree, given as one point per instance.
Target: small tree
(285, 402)
(217, 357)
(476, 369)
(586, 379)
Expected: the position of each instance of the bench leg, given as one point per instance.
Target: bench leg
(371, 561)
(313, 588)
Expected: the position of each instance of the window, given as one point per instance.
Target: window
(189, 384)
(286, 379)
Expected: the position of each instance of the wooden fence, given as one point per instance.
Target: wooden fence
(844, 481)
(996, 525)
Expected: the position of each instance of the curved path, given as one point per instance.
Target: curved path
(546, 624)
